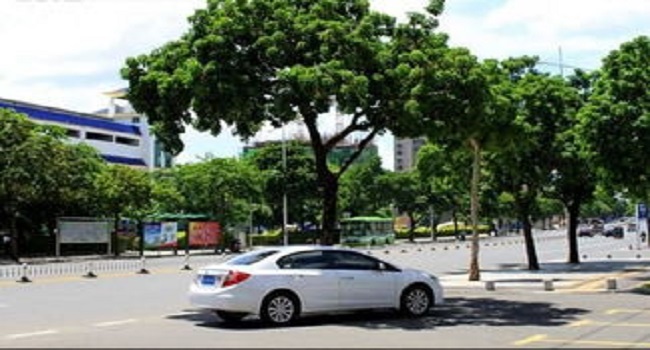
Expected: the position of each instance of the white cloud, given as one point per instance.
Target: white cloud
(586, 31)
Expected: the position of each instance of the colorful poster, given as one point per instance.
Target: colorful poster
(152, 235)
(168, 234)
(204, 233)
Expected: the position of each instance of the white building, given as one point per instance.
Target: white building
(406, 151)
(120, 135)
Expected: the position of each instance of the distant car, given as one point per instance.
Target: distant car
(585, 230)
(280, 284)
(614, 231)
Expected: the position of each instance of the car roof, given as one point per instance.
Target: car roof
(299, 248)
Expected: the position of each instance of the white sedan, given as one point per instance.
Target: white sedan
(280, 284)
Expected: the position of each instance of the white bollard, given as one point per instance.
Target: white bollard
(186, 266)
(490, 285)
(90, 273)
(143, 266)
(548, 285)
(24, 278)
(611, 284)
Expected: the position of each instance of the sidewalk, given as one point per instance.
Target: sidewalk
(586, 276)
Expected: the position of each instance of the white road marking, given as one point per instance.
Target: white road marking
(115, 323)
(32, 334)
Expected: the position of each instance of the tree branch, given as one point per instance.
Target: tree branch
(357, 153)
(331, 143)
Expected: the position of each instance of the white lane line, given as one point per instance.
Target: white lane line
(114, 323)
(32, 334)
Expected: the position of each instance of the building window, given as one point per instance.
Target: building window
(127, 141)
(72, 133)
(99, 136)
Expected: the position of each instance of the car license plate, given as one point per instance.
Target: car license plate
(208, 280)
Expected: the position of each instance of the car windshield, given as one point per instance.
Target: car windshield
(251, 258)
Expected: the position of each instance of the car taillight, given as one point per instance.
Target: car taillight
(235, 277)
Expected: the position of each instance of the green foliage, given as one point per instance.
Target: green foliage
(360, 192)
(246, 63)
(299, 180)
(221, 188)
(616, 123)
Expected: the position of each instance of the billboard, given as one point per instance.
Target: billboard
(204, 233)
(84, 231)
(160, 234)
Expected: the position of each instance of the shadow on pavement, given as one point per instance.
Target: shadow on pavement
(456, 312)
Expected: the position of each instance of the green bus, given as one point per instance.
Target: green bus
(367, 230)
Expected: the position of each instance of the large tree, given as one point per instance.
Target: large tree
(250, 62)
(543, 110)
(616, 122)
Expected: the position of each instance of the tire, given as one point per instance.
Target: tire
(280, 309)
(230, 316)
(416, 301)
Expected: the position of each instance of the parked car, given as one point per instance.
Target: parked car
(614, 231)
(584, 230)
(281, 284)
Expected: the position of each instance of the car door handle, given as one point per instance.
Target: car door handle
(347, 278)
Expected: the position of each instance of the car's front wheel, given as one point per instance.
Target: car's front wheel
(280, 308)
(230, 316)
(416, 301)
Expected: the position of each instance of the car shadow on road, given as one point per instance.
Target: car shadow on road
(456, 312)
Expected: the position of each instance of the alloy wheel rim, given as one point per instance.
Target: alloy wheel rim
(417, 301)
(281, 309)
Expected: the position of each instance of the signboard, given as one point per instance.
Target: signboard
(84, 231)
(152, 235)
(168, 234)
(204, 233)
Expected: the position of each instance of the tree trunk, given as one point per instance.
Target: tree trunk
(330, 196)
(474, 269)
(573, 210)
(13, 228)
(533, 263)
(411, 227)
(115, 240)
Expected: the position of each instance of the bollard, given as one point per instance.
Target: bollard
(143, 268)
(24, 278)
(548, 285)
(489, 285)
(186, 266)
(90, 273)
(611, 284)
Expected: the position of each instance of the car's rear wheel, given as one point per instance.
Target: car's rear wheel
(416, 301)
(230, 316)
(280, 308)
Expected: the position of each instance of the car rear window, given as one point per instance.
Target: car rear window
(251, 258)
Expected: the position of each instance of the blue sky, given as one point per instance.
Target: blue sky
(65, 53)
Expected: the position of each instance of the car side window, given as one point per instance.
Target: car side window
(353, 261)
(305, 260)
